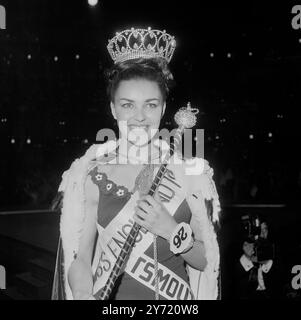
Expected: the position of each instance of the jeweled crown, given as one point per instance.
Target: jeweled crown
(141, 43)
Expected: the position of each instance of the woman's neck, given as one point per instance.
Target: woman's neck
(138, 154)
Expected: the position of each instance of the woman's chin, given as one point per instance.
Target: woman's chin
(139, 140)
(139, 144)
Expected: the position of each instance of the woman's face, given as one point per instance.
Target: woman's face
(138, 108)
(248, 249)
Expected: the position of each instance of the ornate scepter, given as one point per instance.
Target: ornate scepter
(185, 118)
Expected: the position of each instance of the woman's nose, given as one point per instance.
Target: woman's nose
(140, 115)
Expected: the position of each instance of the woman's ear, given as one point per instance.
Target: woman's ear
(113, 110)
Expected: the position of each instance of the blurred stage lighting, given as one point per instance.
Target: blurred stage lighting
(92, 3)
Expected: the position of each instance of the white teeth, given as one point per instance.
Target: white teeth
(138, 127)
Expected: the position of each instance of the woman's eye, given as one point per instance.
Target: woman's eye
(127, 105)
(152, 105)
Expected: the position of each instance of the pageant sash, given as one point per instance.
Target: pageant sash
(171, 286)
(139, 265)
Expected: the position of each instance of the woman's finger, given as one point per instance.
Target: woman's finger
(157, 197)
(142, 215)
(145, 206)
(138, 219)
(152, 201)
(141, 222)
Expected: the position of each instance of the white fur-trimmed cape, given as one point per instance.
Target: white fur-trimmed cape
(204, 284)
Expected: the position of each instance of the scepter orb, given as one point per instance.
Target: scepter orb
(186, 117)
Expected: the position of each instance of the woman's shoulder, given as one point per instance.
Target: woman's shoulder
(193, 167)
(97, 155)
(197, 174)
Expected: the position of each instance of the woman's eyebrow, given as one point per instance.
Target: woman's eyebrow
(147, 100)
(129, 100)
(152, 99)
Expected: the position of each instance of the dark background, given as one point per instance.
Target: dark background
(51, 110)
(240, 63)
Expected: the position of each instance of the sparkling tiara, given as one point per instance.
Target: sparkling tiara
(141, 43)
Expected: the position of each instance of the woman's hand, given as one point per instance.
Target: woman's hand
(81, 295)
(154, 217)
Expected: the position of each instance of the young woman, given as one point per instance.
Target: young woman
(176, 255)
